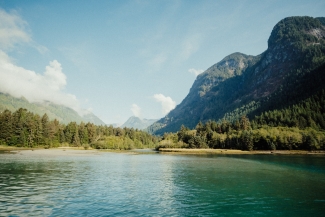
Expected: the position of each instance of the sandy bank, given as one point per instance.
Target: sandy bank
(61, 151)
(55, 152)
(232, 151)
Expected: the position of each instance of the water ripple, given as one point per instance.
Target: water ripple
(158, 185)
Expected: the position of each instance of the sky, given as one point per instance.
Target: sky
(119, 58)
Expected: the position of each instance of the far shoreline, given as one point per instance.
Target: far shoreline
(64, 150)
(235, 151)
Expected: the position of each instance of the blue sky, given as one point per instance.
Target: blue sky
(124, 58)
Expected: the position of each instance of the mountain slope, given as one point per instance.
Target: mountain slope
(248, 85)
(138, 123)
(59, 112)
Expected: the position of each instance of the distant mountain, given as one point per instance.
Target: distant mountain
(290, 70)
(138, 123)
(59, 112)
(115, 125)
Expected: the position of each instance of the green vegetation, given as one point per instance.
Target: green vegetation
(225, 136)
(281, 91)
(298, 127)
(26, 129)
(289, 31)
(59, 112)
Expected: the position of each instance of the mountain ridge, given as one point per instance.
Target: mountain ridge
(245, 83)
(54, 111)
(138, 123)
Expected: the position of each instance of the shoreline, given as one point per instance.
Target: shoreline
(63, 151)
(54, 152)
(234, 151)
(15, 148)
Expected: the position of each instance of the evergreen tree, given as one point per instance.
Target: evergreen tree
(45, 129)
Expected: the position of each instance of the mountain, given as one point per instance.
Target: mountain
(115, 125)
(290, 70)
(138, 123)
(59, 112)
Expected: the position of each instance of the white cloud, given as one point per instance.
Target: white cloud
(166, 102)
(36, 87)
(196, 72)
(40, 48)
(12, 30)
(158, 60)
(17, 81)
(136, 110)
(190, 45)
(79, 54)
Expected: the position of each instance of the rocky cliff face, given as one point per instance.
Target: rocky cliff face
(242, 85)
(295, 43)
(230, 66)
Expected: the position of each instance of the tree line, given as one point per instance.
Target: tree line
(26, 129)
(300, 126)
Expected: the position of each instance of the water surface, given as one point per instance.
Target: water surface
(152, 184)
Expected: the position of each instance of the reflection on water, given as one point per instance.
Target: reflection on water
(162, 185)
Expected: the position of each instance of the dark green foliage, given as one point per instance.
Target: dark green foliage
(307, 113)
(247, 140)
(300, 126)
(321, 19)
(6, 126)
(225, 136)
(290, 29)
(25, 129)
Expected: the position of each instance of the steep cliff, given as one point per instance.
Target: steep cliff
(248, 85)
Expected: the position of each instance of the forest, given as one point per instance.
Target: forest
(300, 126)
(26, 129)
(297, 127)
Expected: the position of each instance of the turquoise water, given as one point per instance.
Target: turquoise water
(113, 184)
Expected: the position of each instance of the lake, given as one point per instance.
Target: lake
(153, 184)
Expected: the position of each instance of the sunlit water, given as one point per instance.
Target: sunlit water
(115, 184)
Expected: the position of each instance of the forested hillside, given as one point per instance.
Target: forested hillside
(59, 112)
(26, 129)
(299, 126)
(287, 74)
